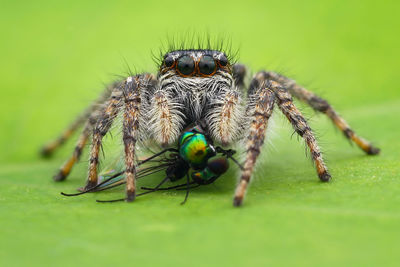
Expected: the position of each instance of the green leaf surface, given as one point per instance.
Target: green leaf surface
(55, 59)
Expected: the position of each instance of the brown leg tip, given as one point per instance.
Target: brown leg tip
(325, 177)
(373, 151)
(45, 153)
(130, 196)
(237, 201)
(88, 186)
(60, 176)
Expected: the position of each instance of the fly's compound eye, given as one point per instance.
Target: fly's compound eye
(168, 62)
(185, 65)
(207, 65)
(223, 61)
(218, 165)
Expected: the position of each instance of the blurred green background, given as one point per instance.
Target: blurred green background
(55, 58)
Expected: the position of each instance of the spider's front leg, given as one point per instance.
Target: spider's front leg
(260, 115)
(130, 133)
(128, 94)
(261, 103)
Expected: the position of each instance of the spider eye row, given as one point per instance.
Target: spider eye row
(187, 66)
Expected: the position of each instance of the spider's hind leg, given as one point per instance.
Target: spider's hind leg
(90, 116)
(49, 148)
(262, 98)
(320, 105)
(66, 168)
(300, 125)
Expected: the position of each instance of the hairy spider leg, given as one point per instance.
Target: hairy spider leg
(264, 103)
(66, 168)
(285, 104)
(300, 125)
(49, 148)
(130, 133)
(321, 105)
(102, 126)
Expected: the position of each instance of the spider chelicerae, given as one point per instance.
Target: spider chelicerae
(195, 85)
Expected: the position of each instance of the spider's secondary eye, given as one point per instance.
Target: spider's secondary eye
(169, 61)
(207, 65)
(223, 61)
(186, 65)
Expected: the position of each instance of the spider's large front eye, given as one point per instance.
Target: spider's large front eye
(186, 65)
(207, 65)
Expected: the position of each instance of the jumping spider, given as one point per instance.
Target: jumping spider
(197, 85)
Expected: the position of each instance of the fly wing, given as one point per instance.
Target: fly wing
(114, 175)
(111, 178)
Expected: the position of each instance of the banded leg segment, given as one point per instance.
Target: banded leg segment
(101, 128)
(49, 148)
(321, 105)
(260, 113)
(285, 104)
(66, 168)
(130, 134)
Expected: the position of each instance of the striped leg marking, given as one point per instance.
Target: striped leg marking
(285, 104)
(130, 134)
(48, 149)
(264, 103)
(102, 127)
(321, 105)
(67, 166)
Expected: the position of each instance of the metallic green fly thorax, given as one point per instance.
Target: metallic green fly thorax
(200, 155)
(195, 149)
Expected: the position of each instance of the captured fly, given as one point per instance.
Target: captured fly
(196, 158)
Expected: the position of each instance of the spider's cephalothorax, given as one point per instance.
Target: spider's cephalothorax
(198, 86)
(195, 85)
